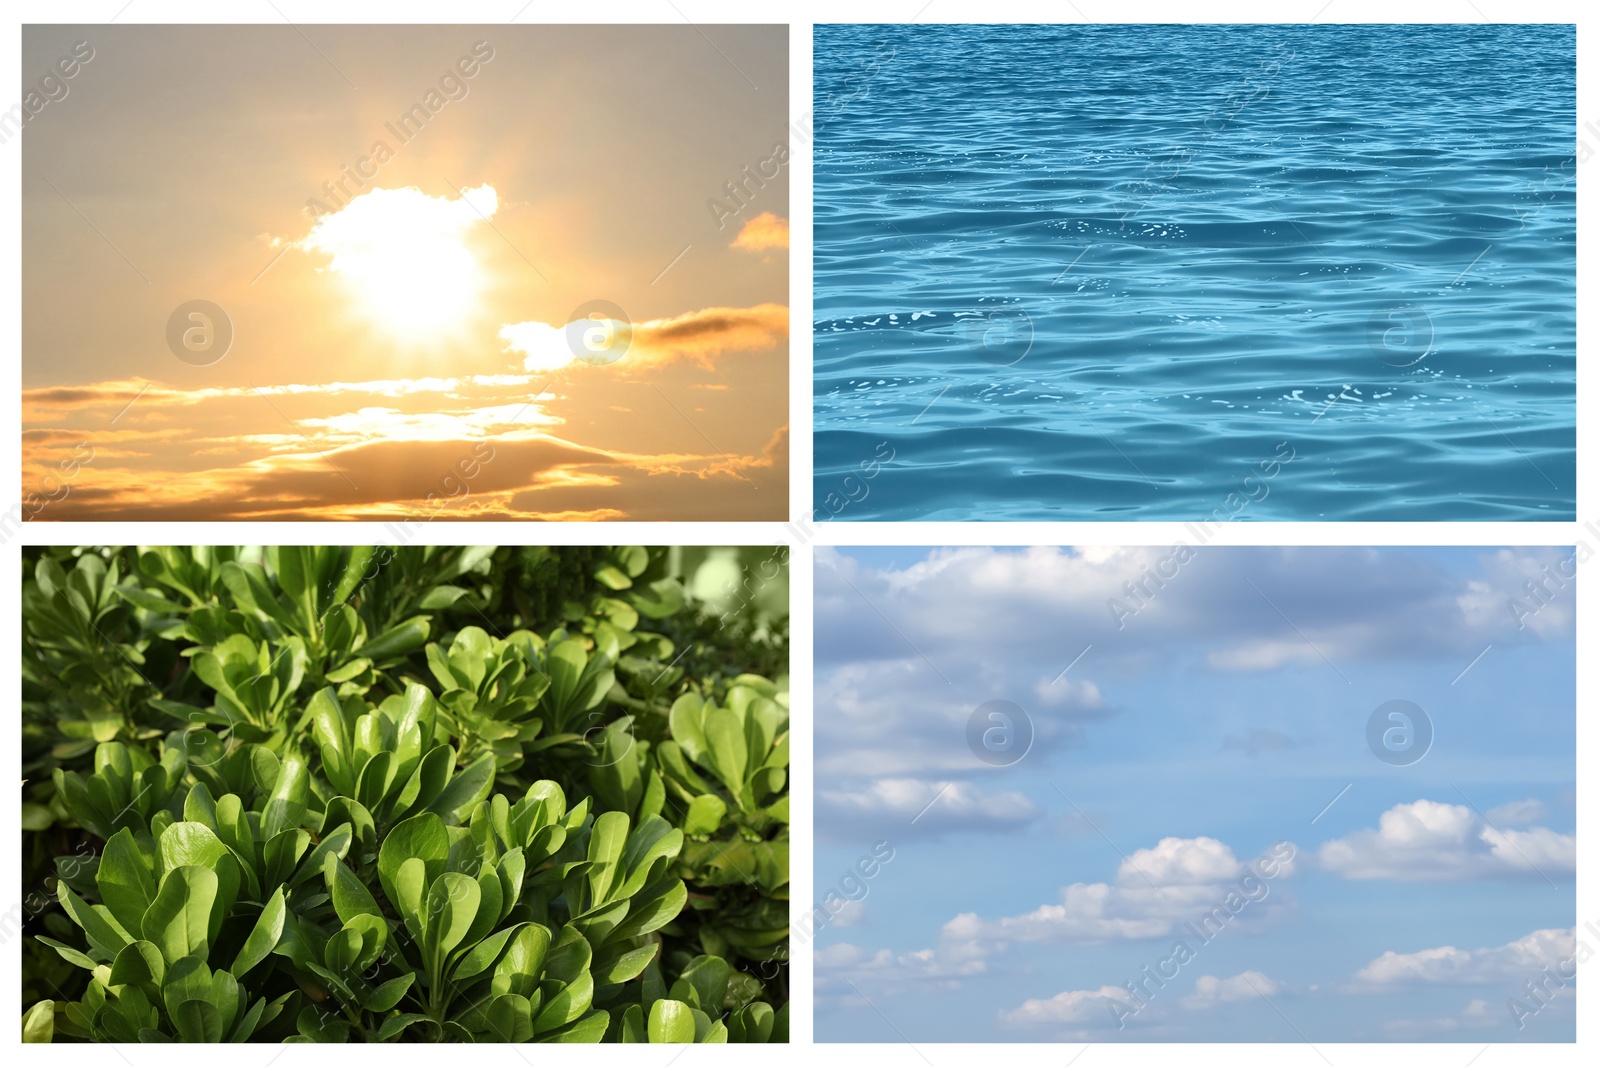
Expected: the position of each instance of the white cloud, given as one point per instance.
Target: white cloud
(1048, 604)
(1210, 991)
(1072, 1007)
(1180, 880)
(1477, 1015)
(932, 806)
(1431, 841)
(837, 966)
(1511, 963)
(1525, 586)
(1182, 861)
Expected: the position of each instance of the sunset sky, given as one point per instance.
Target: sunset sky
(400, 224)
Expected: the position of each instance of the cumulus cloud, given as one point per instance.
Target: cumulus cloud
(1180, 880)
(1210, 991)
(1431, 841)
(1073, 1007)
(764, 231)
(1512, 963)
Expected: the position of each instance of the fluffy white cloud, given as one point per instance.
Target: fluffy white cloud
(1073, 1007)
(1210, 991)
(1512, 963)
(1182, 861)
(1180, 880)
(1431, 841)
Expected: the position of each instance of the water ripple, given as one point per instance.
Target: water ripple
(1105, 272)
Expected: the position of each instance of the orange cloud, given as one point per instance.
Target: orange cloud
(764, 231)
(695, 336)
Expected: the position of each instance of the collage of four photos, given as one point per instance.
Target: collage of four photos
(416, 585)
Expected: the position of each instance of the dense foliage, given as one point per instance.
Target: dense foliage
(372, 794)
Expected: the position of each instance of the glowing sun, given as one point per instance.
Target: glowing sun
(404, 256)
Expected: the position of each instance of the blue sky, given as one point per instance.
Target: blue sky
(1205, 753)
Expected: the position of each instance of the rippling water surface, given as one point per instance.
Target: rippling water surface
(1156, 272)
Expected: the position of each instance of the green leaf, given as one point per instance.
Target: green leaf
(510, 1018)
(179, 917)
(466, 790)
(523, 963)
(452, 903)
(249, 1022)
(650, 912)
(264, 938)
(725, 740)
(589, 1030)
(395, 1024)
(483, 955)
(139, 963)
(190, 844)
(105, 935)
(659, 599)
(197, 1021)
(354, 573)
(708, 975)
(671, 1022)
(705, 814)
(421, 837)
(625, 966)
(606, 841)
(387, 995)
(127, 885)
(39, 1024)
(752, 1024)
(321, 1027)
(566, 1006)
(334, 843)
(286, 808)
(612, 578)
(399, 640)
(70, 954)
(684, 720)
(350, 898)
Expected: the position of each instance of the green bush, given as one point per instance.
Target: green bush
(354, 794)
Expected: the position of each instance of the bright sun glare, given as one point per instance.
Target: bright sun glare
(403, 254)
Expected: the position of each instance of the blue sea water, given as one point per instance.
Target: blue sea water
(1123, 272)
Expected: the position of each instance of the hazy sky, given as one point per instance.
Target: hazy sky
(1224, 718)
(399, 328)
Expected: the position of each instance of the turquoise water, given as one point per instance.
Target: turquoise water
(1159, 272)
